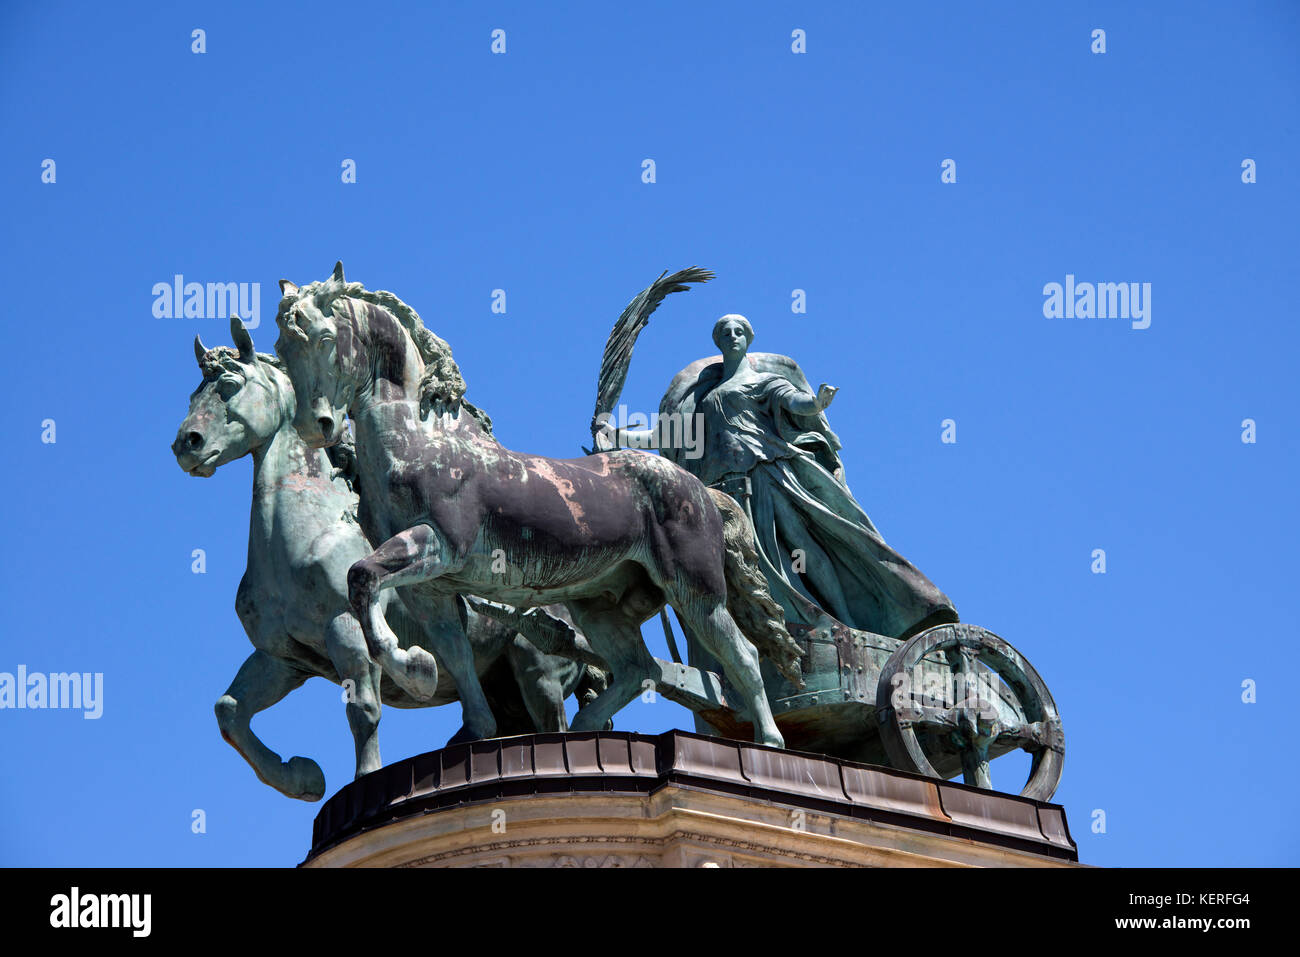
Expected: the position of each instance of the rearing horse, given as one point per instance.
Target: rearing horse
(614, 537)
(292, 600)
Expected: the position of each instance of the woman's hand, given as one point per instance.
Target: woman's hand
(609, 437)
(805, 403)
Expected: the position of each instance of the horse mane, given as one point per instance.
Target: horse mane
(442, 381)
(221, 359)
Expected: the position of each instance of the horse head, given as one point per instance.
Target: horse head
(243, 400)
(340, 341)
(322, 356)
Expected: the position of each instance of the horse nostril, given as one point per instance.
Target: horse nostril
(193, 441)
(326, 426)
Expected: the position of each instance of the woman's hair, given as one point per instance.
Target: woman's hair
(730, 317)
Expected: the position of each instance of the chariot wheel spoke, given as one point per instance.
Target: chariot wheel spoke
(976, 723)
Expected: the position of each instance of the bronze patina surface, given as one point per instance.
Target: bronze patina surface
(418, 561)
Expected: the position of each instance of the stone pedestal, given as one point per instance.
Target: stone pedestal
(623, 799)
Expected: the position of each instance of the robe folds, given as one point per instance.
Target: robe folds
(819, 550)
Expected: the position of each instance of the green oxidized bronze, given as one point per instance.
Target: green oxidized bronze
(889, 677)
(804, 628)
(292, 600)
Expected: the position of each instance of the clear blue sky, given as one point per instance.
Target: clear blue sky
(819, 172)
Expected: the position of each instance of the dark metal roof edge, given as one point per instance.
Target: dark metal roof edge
(665, 772)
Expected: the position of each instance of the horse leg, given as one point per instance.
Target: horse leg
(346, 646)
(619, 643)
(440, 618)
(261, 681)
(541, 681)
(717, 631)
(414, 555)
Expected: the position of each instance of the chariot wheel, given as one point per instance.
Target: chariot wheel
(1016, 711)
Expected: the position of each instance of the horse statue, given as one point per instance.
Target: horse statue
(614, 537)
(293, 601)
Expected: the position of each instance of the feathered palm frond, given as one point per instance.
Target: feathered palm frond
(622, 338)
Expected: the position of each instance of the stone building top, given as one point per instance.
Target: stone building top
(621, 763)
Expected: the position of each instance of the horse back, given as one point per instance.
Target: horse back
(597, 500)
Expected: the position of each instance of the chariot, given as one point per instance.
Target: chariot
(938, 701)
(943, 702)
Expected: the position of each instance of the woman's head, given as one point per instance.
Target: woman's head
(733, 333)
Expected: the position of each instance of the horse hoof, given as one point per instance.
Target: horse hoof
(463, 736)
(421, 674)
(306, 779)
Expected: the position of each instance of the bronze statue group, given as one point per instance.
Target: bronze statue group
(396, 548)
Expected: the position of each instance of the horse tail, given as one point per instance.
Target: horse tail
(749, 600)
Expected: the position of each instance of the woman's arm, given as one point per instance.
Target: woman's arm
(612, 437)
(805, 403)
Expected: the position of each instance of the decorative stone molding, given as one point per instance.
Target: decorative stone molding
(620, 799)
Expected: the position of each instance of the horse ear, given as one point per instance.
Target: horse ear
(242, 339)
(287, 288)
(200, 350)
(338, 271)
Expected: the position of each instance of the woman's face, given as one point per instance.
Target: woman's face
(731, 339)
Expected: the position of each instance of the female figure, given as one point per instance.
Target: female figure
(767, 443)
